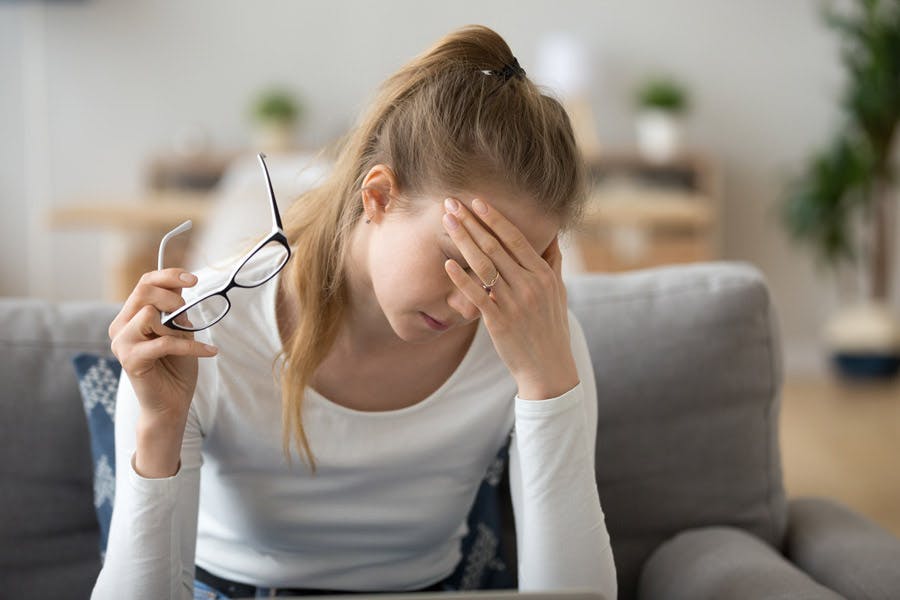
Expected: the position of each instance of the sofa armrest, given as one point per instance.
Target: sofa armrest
(723, 563)
(842, 549)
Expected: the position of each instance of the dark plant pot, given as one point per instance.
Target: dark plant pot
(866, 366)
(863, 341)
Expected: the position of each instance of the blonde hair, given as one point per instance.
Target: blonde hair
(440, 122)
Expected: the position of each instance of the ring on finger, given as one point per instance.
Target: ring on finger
(489, 286)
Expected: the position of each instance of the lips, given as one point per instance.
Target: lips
(434, 323)
(435, 320)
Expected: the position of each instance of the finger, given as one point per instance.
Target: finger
(472, 289)
(182, 319)
(145, 326)
(169, 278)
(161, 299)
(509, 235)
(172, 280)
(553, 256)
(152, 350)
(480, 248)
(142, 357)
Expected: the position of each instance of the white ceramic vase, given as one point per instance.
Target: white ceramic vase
(864, 341)
(274, 137)
(659, 134)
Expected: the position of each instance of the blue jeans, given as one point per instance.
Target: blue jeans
(204, 592)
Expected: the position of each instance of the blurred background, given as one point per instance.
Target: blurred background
(755, 131)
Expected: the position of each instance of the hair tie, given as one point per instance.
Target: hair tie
(509, 70)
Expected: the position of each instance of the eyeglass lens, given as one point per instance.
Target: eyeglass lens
(204, 313)
(264, 263)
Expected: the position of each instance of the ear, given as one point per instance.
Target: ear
(378, 189)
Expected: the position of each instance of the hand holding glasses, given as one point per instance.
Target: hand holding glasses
(255, 268)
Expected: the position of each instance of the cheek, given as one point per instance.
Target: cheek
(407, 271)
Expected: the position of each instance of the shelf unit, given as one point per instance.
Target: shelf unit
(642, 214)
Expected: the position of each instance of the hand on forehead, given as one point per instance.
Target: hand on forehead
(521, 212)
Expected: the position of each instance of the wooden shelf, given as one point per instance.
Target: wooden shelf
(155, 211)
(642, 214)
(648, 212)
(145, 220)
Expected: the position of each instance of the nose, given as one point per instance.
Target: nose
(461, 304)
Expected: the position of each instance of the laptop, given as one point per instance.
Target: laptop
(498, 595)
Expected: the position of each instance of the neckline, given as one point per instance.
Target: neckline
(468, 357)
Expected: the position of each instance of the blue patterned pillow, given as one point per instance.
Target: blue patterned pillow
(98, 380)
(481, 567)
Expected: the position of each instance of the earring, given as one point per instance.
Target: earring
(368, 221)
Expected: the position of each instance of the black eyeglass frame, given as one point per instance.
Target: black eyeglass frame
(276, 235)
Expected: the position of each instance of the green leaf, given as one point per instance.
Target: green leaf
(818, 206)
(663, 93)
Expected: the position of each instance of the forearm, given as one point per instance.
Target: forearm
(150, 540)
(563, 541)
(152, 535)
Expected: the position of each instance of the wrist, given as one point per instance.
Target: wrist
(545, 385)
(157, 426)
(158, 448)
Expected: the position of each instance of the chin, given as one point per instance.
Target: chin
(412, 330)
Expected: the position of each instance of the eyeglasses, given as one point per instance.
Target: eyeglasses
(255, 268)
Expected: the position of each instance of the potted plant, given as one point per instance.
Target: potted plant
(661, 102)
(843, 204)
(276, 112)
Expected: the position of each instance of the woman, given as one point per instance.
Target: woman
(420, 321)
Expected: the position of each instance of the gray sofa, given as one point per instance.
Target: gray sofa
(688, 373)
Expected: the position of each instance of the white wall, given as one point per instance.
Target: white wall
(90, 89)
(14, 211)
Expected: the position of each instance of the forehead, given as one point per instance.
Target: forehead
(524, 214)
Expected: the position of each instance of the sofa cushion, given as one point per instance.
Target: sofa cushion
(725, 563)
(49, 529)
(688, 372)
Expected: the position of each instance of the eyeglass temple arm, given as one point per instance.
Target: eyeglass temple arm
(276, 218)
(162, 245)
(162, 250)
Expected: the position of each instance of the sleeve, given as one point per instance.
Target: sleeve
(153, 531)
(560, 527)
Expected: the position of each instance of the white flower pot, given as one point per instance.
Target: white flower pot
(659, 134)
(864, 341)
(274, 138)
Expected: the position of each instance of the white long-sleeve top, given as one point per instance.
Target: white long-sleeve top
(387, 507)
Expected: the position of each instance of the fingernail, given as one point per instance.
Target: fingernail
(451, 221)
(479, 206)
(209, 348)
(187, 277)
(451, 204)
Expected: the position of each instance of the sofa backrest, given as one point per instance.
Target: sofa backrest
(49, 528)
(688, 370)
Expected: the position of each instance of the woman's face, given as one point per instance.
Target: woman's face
(402, 262)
